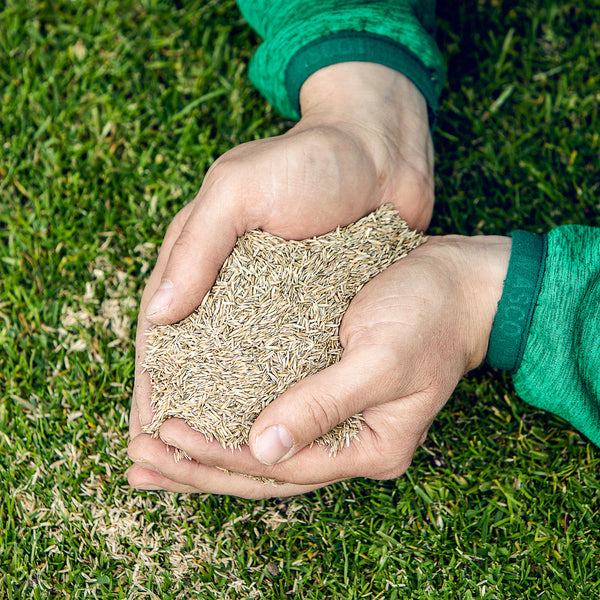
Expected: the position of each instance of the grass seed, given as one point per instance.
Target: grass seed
(271, 319)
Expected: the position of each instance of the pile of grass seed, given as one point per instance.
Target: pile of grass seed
(271, 319)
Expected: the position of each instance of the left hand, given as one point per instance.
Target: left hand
(408, 337)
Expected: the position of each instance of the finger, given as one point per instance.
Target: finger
(318, 403)
(383, 449)
(142, 390)
(311, 466)
(195, 257)
(135, 427)
(142, 478)
(188, 475)
(142, 387)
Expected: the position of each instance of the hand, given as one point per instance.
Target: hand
(408, 337)
(363, 141)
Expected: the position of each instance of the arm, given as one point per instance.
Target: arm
(363, 140)
(408, 337)
(547, 328)
(303, 37)
(326, 63)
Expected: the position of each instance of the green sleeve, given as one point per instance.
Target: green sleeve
(302, 37)
(547, 328)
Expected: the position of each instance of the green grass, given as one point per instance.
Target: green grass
(110, 114)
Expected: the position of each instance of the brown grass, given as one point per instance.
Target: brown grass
(271, 319)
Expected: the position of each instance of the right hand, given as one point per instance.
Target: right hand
(363, 141)
(408, 336)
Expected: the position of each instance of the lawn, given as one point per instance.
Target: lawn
(111, 113)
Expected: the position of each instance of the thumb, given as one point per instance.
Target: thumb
(192, 254)
(318, 403)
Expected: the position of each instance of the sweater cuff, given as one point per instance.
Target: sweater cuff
(353, 31)
(361, 46)
(515, 309)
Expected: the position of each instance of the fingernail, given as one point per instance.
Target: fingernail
(161, 299)
(149, 487)
(273, 444)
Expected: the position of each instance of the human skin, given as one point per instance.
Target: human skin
(363, 141)
(408, 337)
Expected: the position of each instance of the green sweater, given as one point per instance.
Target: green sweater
(302, 37)
(547, 329)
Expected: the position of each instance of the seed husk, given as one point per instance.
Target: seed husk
(270, 320)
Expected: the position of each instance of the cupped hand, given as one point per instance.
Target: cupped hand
(363, 141)
(408, 337)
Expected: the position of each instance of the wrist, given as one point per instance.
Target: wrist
(477, 267)
(386, 114)
(489, 279)
(371, 98)
(354, 89)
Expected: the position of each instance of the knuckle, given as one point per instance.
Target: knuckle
(424, 192)
(353, 330)
(224, 179)
(228, 188)
(392, 471)
(174, 228)
(135, 451)
(395, 469)
(360, 324)
(413, 194)
(218, 172)
(425, 183)
(321, 412)
(264, 492)
(185, 240)
(389, 462)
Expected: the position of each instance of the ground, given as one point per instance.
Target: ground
(111, 112)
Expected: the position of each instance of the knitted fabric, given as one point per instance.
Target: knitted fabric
(515, 309)
(560, 369)
(307, 36)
